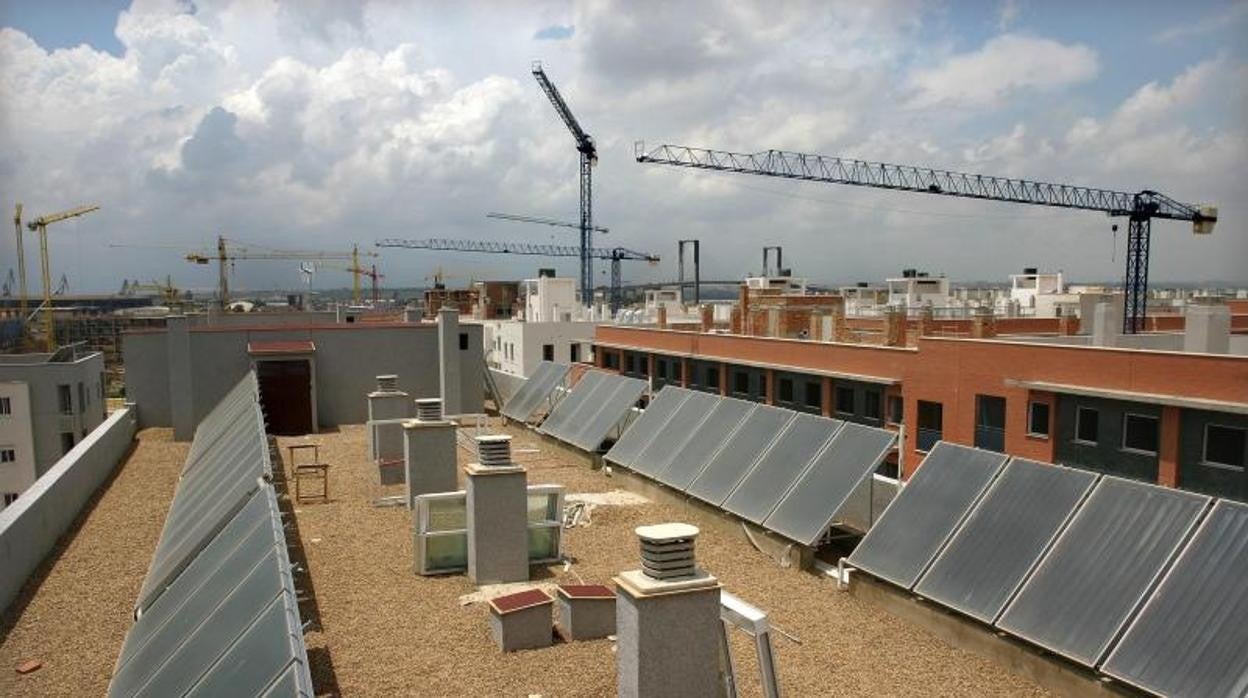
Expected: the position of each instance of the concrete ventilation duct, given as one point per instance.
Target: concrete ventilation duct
(429, 409)
(388, 384)
(667, 550)
(494, 451)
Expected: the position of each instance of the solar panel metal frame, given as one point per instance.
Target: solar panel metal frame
(614, 408)
(759, 492)
(731, 463)
(571, 401)
(1087, 590)
(643, 430)
(1005, 536)
(675, 433)
(931, 493)
(588, 406)
(814, 483)
(538, 387)
(1178, 645)
(716, 430)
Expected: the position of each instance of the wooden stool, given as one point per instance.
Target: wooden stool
(313, 472)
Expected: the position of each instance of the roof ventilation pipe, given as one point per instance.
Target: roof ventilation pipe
(429, 409)
(494, 450)
(388, 384)
(667, 550)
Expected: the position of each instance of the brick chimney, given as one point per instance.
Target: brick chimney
(662, 317)
(983, 323)
(927, 321)
(707, 315)
(895, 327)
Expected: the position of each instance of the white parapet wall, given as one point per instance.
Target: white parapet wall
(31, 526)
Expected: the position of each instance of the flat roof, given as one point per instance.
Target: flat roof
(1133, 396)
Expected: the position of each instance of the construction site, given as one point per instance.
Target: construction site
(360, 463)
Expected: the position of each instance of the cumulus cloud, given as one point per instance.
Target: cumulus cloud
(1004, 65)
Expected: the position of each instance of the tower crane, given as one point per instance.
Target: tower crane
(542, 221)
(40, 225)
(616, 254)
(1139, 208)
(357, 272)
(227, 255)
(589, 158)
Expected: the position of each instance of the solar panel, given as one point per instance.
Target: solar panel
(717, 429)
(1191, 638)
(587, 406)
(1101, 567)
(814, 501)
(763, 486)
(537, 388)
(1003, 538)
(681, 427)
(205, 500)
(614, 408)
(642, 431)
(923, 515)
(734, 460)
(193, 638)
(565, 408)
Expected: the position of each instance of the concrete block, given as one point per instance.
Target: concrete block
(430, 458)
(667, 642)
(385, 441)
(498, 526)
(585, 611)
(521, 621)
(449, 361)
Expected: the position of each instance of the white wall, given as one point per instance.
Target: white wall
(516, 347)
(16, 433)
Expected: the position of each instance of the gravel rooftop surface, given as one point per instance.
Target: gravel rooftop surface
(380, 629)
(75, 610)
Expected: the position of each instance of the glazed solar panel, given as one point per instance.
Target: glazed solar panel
(681, 427)
(206, 498)
(568, 406)
(739, 453)
(689, 461)
(926, 512)
(234, 405)
(228, 625)
(537, 388)
(814, 501)
(614, 408)
(592, 401)
(1004, 537)
(1191, 638)
(775, 472)
(1102, 567)
(643, 429)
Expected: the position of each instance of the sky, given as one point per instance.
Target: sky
(319, 124)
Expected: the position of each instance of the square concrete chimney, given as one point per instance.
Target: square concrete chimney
(498, 520)
(387, 402)
(667, 619)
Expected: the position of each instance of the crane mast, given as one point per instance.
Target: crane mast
(588, 158)
(40, 225)
(1138, 207)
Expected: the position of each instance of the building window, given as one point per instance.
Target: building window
(629, 364)
(9, 498)
(1226, 446)
(1139, 433)
(931, 422)
(610, 360)
(463, 341)
(871, 404)
(65, 399)
(6, 406)
(8, 455)
(712, 377)
(574, 353)
(814, 395)
(740, 382)
(1087, 425)
(786, 390)
(845, 400)
(1038, 419)
(67, 442)
(990, 422)
(82, 397)
(548, 352)
(896, 409)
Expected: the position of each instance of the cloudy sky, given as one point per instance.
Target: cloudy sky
(315, 124)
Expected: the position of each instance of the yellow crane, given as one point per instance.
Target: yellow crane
(21, 264)
(170, 294)
(229, 251)
(358, 272)
(40, 225)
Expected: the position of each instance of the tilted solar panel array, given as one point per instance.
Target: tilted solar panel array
(218, 613)
(596, 404)
(1145, 583)
(784, 471)
(537, 388)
